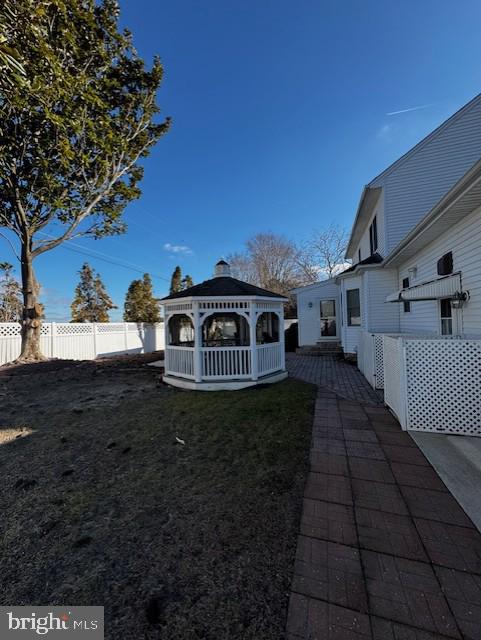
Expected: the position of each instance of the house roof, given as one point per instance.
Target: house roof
(364, 211)
(444, 125)
(459, 202)
(223, 286)
(367, 203)
(374, 259)
(314, 285)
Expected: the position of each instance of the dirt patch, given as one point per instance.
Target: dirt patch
(177, 511)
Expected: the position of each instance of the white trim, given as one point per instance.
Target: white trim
(224, 385)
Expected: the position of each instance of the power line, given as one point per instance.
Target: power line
(104, 257)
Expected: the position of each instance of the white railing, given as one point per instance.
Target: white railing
(433, 384)
(226, 362)
(84, 341)
(269, 358)
(179, 361)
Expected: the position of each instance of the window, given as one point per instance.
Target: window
(445, 264)
(328, 318)
(353, 308)
(446, 317)
(359, 255)
(406, 305)
(373, 235)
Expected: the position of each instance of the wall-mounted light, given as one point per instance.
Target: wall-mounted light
(459, 299)
(310, 305)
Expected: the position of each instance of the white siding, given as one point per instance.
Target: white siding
(309, 318)
(351, 335)
(413, 187)
(464, 240)
(380, 316)
(364, 243)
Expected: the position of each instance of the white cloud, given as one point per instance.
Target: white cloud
(177, 248)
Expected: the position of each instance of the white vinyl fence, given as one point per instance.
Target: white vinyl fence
(434, 384)
(85, 341)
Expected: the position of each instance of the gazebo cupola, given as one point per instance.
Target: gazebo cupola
(223, 334)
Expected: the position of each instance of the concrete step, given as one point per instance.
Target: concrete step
(321, 349)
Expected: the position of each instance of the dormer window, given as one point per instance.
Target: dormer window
(445, 264)
(373, 235)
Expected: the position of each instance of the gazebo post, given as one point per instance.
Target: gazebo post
(197, 343)
(282, 338)
(253, 341)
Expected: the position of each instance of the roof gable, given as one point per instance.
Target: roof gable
(425, 141)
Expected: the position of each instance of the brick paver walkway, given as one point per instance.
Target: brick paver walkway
(385, 552)
(339, 376)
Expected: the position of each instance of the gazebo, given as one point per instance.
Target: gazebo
(223, 334)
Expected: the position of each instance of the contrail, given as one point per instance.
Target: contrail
(422, 106)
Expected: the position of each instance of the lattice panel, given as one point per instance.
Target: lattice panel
(444, 385)
(110, 327)
(394, 378)
(73, 329)
(378, 361)
(8, 329)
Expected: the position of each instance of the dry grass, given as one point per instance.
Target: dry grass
(101, 504)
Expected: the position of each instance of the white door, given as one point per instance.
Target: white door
(328, 319)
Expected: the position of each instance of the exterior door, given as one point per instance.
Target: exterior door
(328, 319)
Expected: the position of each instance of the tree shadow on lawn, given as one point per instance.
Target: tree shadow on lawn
(106, 506)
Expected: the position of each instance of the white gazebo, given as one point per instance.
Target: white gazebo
(223, 334)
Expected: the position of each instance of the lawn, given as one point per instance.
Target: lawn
(177, 511)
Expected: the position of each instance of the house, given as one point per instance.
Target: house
(415, 251)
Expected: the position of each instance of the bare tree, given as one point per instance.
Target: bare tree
(323, 256)
(269, 261)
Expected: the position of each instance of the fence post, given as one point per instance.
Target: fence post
(53, 337)
(94, 336)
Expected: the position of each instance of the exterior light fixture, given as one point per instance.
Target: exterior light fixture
(310, 305)
(459, 298)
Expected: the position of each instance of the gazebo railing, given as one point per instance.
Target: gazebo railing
(269, 358)
(223, 363)
(179, 361)
(226, 362)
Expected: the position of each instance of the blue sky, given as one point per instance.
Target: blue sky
(280, 116)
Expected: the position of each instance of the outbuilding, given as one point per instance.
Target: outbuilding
(223, 334)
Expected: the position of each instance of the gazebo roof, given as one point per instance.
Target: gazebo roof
(223, 286)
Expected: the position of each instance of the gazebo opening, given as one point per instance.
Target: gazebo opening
(181, 331)
(267, 328)
(225, 330)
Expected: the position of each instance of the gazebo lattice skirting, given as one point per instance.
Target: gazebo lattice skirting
(223, 334)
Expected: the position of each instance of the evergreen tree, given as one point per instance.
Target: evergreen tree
(140, 304)
(11, 304)
(78, 114)
(92, 302)
(187, 282)
(176, 281)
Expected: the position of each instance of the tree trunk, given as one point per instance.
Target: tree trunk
(32, 312)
